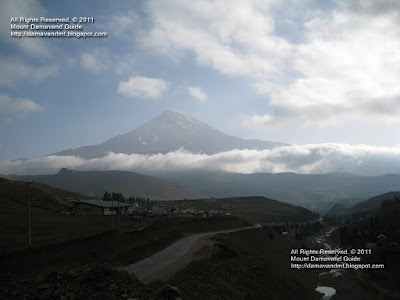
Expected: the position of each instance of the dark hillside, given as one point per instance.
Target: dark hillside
(339, 209)
(373, 203)
(95, 183)
(246, 265)
(255, 209)
(48, 223)
(15, 193)
(379, 231)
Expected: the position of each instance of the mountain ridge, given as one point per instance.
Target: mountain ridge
(95, 183)
(313, 191)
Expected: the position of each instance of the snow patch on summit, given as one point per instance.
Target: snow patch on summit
(143, 142)
(181, 124)
(189, 119)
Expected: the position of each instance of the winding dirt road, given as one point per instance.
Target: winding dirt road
(147, 267)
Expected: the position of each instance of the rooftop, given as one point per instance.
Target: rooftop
(106, 203)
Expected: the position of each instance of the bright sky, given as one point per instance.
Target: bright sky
(300, 72)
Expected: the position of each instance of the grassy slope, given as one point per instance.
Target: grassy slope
(47, 223)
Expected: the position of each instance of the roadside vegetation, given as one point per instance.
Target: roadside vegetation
(376, 230)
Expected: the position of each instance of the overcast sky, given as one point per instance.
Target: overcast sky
(299, 72)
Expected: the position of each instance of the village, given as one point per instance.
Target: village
(146, 208)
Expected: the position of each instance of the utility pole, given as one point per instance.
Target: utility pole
(28, 212)
(119, 217)
(147, 209)
(142, 209)
(112, 213)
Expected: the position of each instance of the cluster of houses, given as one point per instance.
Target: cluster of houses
(108, 208)
(101, 208)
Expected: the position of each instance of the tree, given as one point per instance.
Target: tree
(117, 197)
(107, 196)
(131, 200)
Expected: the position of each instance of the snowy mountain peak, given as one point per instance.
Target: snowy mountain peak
(179, 118)
(170, 131)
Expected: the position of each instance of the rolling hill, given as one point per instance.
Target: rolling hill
(48, 223)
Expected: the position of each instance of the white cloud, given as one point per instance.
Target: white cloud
(235, 39)
(257, 121)
(36, 47)
(95, 61)
(349, 71)
(307, 159)
(124, 65)
(371, 6)
(198, 94)
(100, 60)
(122, 25)
(15, 72)
(17, 8)
(345, 67)
(10, 106)
(143, 87)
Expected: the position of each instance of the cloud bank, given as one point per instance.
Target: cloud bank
(342, 67)
(305, 159)
(349, 65)
(235, 39)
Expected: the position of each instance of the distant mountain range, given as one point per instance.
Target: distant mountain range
(313, 191)
(170, 131)
(95, 183)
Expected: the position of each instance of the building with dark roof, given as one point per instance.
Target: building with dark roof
(101, 208)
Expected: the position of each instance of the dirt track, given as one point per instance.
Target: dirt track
(145, 270)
